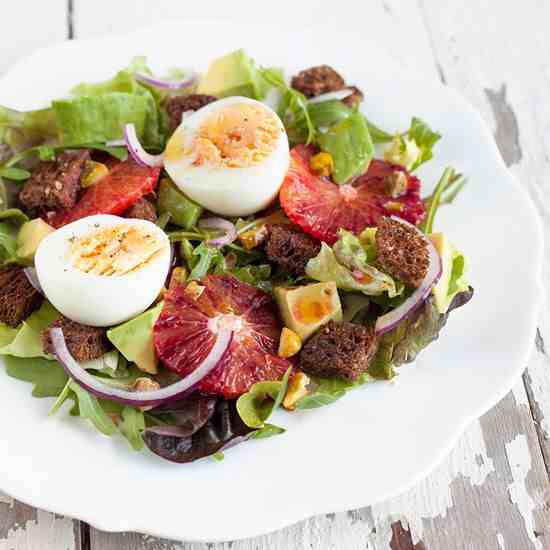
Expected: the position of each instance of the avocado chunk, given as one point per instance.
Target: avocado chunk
(134, 339)
(306, 308)
(30, 236)
(235, 74)
(446, 252)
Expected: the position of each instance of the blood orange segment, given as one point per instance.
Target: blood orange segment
(185, 333)
(320, 207)
(116, 192)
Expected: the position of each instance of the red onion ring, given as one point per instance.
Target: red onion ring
(221, 225)
(329, 96)
(139, 154)
(30, 273)
(387, 322)
(96, 387)
(166, 84)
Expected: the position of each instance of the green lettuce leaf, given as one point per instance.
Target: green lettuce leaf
(330, 266)
(404, 343)
(8, 243)
(256, 405)
(89, 119)
(47, 377)
(27, 340)
(425, 139)
(350, 146)
(21, 130)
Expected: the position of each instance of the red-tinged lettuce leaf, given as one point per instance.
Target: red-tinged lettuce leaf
(189, 415)
(411, 336)
(224, 429)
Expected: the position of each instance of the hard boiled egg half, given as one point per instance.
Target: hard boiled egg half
(103, 270)
(230, 156)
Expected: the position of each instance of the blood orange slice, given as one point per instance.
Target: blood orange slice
(185, 333)
(116, 192)
(320, 207)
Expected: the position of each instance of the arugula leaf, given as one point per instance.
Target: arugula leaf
(268, 430)
(90, 408)
(425, 138)
(435, 199)
(257, 275)
(328, 390)
(48, 377)
(350, 146)
(27, 341)
(293, 106)
(15, 174)
(132, 426)
(209, 257)
(256, 405)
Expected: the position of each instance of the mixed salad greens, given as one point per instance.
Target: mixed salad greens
(293, 257)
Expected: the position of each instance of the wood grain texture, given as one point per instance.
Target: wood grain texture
(492, 492)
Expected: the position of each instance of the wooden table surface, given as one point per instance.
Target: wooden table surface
(492, 492)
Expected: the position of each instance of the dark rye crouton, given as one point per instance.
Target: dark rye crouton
(290, 248)
(18, 298)
(176, 106)
(317, 80)
(342, 350)
(354, 98)
(143, 209)
(54, 185)
(84, 342)
(402, 252)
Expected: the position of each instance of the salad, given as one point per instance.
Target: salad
(181, 256)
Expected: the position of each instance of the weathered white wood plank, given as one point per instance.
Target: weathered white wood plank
(28, 25)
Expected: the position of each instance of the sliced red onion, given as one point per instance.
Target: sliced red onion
(175, 391)
(221, 225)
(30, 273)
(167, 84)
(387, 322)
(139, 154)
(329, 96)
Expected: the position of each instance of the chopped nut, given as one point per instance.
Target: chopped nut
(254, 237)
(93, 172)
(322, 164)
(396, 184)
(297, 389)
(179, 275)
(289, 344)
(145, 384)
(394, 206)
(194, 290)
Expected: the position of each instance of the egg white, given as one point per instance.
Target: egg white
(224, 190)
(98, 300)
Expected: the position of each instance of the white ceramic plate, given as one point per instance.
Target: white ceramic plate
(378, 440)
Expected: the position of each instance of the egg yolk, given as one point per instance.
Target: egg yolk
(114, 251)
(237, 136)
